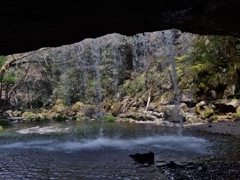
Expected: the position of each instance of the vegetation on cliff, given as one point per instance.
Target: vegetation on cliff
(120, 74)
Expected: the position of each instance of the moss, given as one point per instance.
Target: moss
(213, 118)
(80, 117)
(109, 118)
(1, 128)
(60, 117)
(203, 86)
(126, 120)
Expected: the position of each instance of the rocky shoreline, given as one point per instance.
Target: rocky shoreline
(227, 128)
(202, 170)
(208, 170)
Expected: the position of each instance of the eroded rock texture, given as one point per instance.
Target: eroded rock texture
(28, 25)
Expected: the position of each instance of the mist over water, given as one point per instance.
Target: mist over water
(53, 138)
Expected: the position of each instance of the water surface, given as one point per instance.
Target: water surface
(101, 150)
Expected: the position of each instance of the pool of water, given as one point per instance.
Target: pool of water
(93, 150)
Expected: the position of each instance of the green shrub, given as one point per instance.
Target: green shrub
(109, 118)
(126, 120)
(4, 122)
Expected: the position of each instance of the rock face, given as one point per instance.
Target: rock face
(29, 25)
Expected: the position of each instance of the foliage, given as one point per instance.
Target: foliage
(133, 87)
(4, 122)
(9, 79)
(126, 120)
(1, 128)
(213, 56)
(2, 60)
(109, 118)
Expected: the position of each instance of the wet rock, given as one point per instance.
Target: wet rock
(146, 158)
(190, 118)
(173, 114)
(160, 163)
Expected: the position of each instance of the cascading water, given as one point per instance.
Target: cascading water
(82, 69)
(96, 58)
(169, 37)
(116, 60)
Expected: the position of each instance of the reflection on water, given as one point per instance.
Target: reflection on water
(100, 151)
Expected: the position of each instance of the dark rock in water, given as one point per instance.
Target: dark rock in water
(146, 158)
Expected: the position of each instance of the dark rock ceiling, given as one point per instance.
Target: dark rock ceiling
(29, 25)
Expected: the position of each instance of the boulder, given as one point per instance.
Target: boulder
(29, 115)
(227, 105)
(59, 108)
(199, 107)
(172, 113)
(190, 118)
(78, 106)
(133, 115)
(17, 113)
(206, 112)
(116, 109)
(91, 111)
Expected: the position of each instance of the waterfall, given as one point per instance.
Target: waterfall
(169, 37)
(116, 59)
(96, 58)
(82, 69)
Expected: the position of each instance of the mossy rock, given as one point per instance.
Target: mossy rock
(206, 112)
(59, 101)
(4, 122)
(17, 113)
(60, 117)
(213, 118)
(29, 115)
(80, 117)
(116, 109)
(59, 108)
(77, 106)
